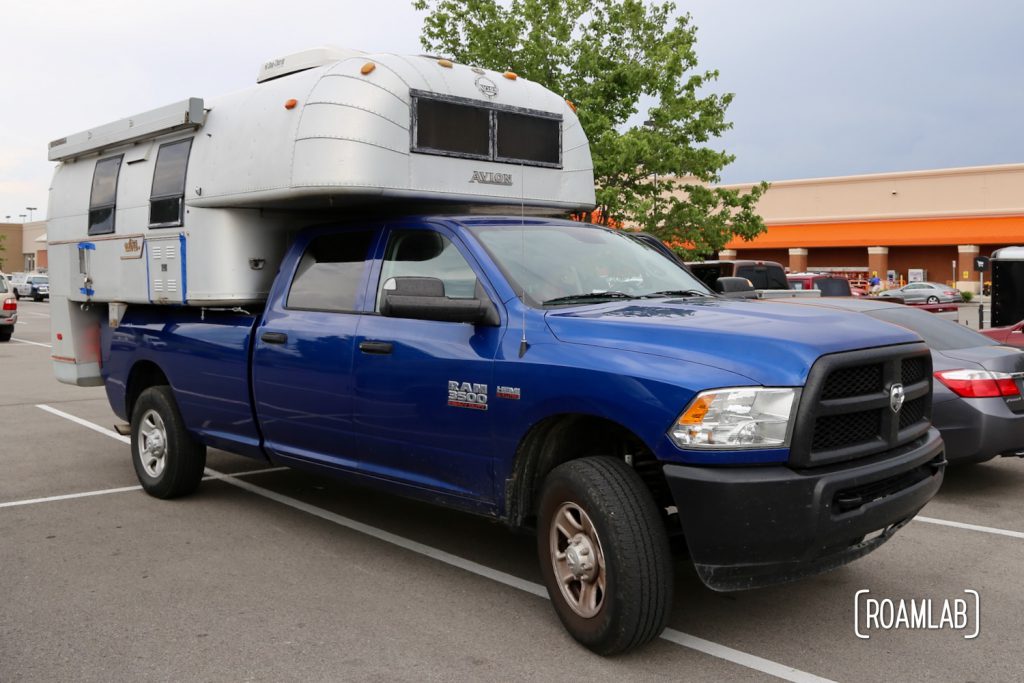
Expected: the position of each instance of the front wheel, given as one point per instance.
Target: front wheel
(168, 461)
(604, 555)
(933, 299)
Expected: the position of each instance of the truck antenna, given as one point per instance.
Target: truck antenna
(523, 344)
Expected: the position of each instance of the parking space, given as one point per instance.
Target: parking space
(281, 575)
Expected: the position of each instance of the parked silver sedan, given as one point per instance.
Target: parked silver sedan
(924, 293)
(8, 310)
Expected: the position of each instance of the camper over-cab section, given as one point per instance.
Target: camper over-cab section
(193, 203)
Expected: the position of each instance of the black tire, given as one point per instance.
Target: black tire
(6, 336)
(631, 539)
(933, 300)
(183, 458)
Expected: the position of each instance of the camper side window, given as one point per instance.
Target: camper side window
(166, 202)
(330, 272)
(103, 198)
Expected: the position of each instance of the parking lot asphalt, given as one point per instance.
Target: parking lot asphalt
(281, 575)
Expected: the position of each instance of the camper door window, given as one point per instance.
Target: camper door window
(103, 198)
(166, 200)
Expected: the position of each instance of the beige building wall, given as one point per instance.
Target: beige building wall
(963, 192)
(11, 259)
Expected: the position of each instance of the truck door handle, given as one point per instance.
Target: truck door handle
(274, 337)
(376, 347)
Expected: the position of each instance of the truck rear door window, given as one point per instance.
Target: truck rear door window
(330, 272)
(103, 198)
(764, 277)
(166, 202)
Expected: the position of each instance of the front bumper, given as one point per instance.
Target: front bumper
(978, 429)
(756, 526)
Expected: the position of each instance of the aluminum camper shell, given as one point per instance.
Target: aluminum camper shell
(323, 134)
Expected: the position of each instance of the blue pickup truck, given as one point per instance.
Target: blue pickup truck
(559, 377)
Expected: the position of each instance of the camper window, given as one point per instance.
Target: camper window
(466, 128)
(528, 138)
(455, 128)
(103, 198)
(330, 272)
(166, 200)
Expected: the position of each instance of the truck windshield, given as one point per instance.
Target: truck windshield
(565, 264)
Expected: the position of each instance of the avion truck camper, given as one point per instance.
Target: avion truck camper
(315, 272)
(194, 203)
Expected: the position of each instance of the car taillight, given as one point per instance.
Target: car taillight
(978, 383)
(10, 305)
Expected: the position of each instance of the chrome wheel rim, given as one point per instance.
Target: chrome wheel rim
(152, 443)
(577, 560)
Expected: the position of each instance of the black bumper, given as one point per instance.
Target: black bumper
(756, 526)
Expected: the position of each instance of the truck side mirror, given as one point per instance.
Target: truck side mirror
(423, 298)
(735, 287)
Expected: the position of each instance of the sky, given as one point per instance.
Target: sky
(822, 87)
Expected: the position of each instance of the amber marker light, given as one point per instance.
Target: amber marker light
(290, 104)
(367, 68)
(696, 412)
(446, 63)
(571, 105)
(510, 75)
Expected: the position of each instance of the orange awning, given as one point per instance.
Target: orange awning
(902, 233)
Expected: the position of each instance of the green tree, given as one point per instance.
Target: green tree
(604, 55)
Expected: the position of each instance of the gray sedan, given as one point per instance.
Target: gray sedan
(925, 293)
(977, 401)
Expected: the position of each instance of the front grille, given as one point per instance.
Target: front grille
(913, 411)
(913, 370)
(846, 409)
(839, 431)
(853, 381)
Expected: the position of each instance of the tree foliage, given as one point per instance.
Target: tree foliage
(604, 55)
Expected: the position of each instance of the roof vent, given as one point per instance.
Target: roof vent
(300, 61)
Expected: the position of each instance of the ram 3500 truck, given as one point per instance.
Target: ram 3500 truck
(556, 376)
(246, 273)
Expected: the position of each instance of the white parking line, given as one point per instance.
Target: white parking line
(708, 647)
(971, 527)
(123, 489)
(25, 341)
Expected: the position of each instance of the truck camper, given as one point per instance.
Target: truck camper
(258, 274)
(194, 203)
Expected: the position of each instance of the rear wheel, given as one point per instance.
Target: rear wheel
(168, 461)
(6, 336)
(933, 299)
(604, 555)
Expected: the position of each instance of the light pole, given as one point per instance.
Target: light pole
(22, 217)
(649, 123)
(30, 209)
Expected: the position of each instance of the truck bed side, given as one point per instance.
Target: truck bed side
(204, 356)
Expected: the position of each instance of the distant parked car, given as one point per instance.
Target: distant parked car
(8, 310)
(924, 293)
(762, 274)
(977, 401)
(36, 287)
(828, 285)
(1011, 335)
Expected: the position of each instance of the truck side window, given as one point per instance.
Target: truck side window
(330, 271)
(425, 253)
(103, 198)
(166, 201)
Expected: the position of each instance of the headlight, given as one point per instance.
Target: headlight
(741, 417)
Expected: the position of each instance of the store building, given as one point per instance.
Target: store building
(23, 248)
(891, 223)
